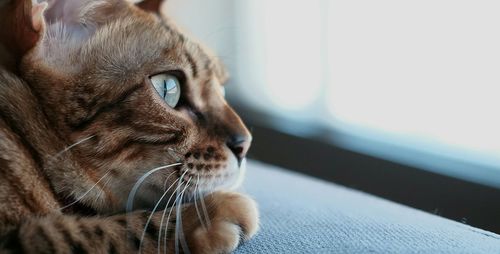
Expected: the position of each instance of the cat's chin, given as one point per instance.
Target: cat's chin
(240, 176)
(231, 181)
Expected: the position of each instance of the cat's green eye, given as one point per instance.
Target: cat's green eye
(168, 87)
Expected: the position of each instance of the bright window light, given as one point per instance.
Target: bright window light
(293, 75)
(421, 70)
(280, 55)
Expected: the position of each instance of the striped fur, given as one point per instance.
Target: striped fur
(80, 125)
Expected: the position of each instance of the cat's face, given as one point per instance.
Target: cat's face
(134, 94)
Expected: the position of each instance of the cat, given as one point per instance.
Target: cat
(112, 122)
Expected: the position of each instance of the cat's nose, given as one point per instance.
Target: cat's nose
(239, 145)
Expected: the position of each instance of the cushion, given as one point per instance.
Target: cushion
(300, 214)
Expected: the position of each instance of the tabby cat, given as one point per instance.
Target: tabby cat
(115, 136)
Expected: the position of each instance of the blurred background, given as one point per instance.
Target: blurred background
(396, 98)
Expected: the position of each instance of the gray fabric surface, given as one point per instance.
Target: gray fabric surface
(300, 214)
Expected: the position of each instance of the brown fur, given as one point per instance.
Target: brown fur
(80, 124)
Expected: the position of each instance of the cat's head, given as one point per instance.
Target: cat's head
(129, 93)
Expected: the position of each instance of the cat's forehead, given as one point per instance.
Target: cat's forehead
(185, 52)
(138, 42)
(200, 59)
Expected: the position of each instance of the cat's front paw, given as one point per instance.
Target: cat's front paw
(233, 217)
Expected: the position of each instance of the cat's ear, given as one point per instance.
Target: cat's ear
(22, 25)
(150, 5)
(75, 21)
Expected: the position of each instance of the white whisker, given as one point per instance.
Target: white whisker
(101, 192)
(164, 210)
(203, 207)
(130, 200)
(170, 212)
(167, 223)
(166, 181)
(86, 193)
(151, 216)
(196, 196)
(71, 146)
(178, 225)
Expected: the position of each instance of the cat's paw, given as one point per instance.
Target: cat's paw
(234, 218)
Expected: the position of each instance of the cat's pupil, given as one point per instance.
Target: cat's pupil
(165, 88)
